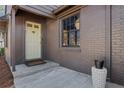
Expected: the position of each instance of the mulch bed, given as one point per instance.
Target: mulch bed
(6, 76)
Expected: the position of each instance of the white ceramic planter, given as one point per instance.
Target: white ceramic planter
(99, 77)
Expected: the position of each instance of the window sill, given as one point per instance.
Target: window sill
(71, 49)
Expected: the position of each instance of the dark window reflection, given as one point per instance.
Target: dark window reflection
(70, 31)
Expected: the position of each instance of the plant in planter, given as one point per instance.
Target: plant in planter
(99, 73)
(99, 64)
(2, 50)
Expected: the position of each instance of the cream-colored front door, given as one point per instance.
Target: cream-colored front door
(33, 41)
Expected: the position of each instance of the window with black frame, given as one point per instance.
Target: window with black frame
(71, 31)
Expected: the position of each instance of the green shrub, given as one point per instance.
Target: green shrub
(2, 51)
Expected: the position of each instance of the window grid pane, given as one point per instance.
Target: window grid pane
(72, 38)
(70, 33)
(65, 39)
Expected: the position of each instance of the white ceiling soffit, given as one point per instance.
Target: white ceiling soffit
(44, 10)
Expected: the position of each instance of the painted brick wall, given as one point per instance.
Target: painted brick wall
(118, 44)
(92, 35)
(92, 41)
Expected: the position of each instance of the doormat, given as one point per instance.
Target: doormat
(33, 63)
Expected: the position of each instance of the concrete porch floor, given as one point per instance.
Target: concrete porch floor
(52, 75)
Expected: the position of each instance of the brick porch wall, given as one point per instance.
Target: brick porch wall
(118, 44)
(92, 41)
